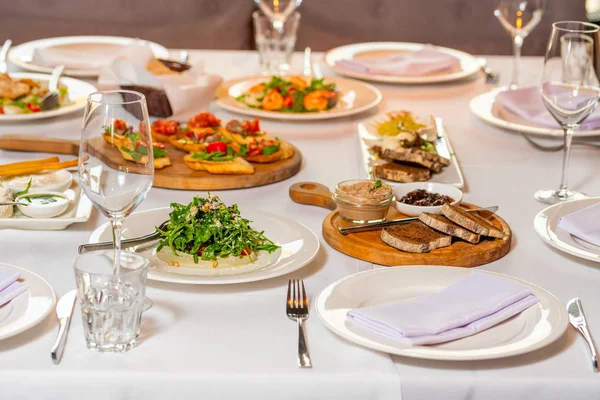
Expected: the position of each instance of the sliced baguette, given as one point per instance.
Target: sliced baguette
(471, 221)
(401, 172)
(415, 237)
(444, 225)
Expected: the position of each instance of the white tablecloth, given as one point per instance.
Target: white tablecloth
(235, 342)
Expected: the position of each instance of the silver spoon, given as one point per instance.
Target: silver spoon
(13, 203)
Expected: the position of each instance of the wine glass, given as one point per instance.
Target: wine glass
(519, 17)
(278, 11)
(570, 89)
(115, 125)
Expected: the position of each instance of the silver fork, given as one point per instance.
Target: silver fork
(490, 76)
(296, 308)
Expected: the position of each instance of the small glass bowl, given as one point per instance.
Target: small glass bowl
(362, 209)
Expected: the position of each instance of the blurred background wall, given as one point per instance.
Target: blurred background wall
(227, 24)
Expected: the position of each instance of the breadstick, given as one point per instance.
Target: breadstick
(31, 163)
(39, 168)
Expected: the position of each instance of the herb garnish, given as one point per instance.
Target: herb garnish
(207, 229)
(376, 186)
(26, 190)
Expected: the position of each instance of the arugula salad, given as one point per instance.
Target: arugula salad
(292, 95)
(23, 96)
(207, 229)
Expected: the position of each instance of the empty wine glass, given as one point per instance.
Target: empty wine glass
(116, 127)
(519, 17)
(570, 89)
(278, 11)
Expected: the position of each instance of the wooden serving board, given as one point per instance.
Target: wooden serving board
(368, 246)
(177, 176)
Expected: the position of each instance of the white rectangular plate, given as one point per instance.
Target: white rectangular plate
(79, 210)
(451, 175)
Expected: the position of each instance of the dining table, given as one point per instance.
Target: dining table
(235, 341)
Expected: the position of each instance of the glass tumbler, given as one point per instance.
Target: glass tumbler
(112, 301)
(275, 46)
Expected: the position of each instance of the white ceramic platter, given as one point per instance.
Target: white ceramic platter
(22, 55)
(451, 175)
(356, 97)
(299, 246)
(485, 107)
(29, 308)
(79, 210)
(469, 65)
(546, 226)
(536, 327)
(78, 93)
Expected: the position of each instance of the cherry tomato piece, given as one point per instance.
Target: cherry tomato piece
(219, 147)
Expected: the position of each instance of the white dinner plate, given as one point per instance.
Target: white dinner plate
(22, 55)
(79, 210)
(355, 98)
(451, 175)
(546, 226)
(536, 327)
(469, 65)
(299, 246)
(485, 107)
(78, 93)
(29, 308)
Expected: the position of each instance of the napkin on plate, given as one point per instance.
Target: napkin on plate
(527, 103)
(188, 93)
(9, 286)
(414, 63)
(471, 305)
(76, 57)
(583, 224)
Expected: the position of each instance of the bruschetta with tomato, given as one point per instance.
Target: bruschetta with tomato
(164, 130)
(136, 150)
(266, 150)
(218, 158)
(246, 131)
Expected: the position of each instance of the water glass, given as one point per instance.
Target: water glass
(275, 46)
(112, 302)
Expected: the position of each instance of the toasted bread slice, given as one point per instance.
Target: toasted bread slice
(237, 166)
(415, 237)
(285, 151)
(161, 137)
(159, 163)
(401, 172)
(471, 221)
(444, 225)
(115, 139)
(184, 145)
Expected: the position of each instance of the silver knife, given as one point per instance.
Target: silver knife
(577, 319)
(64, 311)
(3, 55)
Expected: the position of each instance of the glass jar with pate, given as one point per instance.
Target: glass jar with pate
(363, 201)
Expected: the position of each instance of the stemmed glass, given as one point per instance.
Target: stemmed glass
(116, 121)
(278, 11)
(570, 89)
(519, 17)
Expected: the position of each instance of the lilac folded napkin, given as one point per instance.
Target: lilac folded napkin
(471, 305)
(414, 63)
(9, 286)
(527, 103)
(583, 224)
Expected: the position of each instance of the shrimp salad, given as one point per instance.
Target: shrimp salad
(291, 94)
(23, 96)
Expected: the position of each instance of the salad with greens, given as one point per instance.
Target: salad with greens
(23, 96)
(293, 95)
(207, 229)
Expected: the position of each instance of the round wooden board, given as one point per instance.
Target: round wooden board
(368, 246)
(179, 176)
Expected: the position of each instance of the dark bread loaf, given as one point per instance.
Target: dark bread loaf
(471, 221)
(444, 225)
(414, 237)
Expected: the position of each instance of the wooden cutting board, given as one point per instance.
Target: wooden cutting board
(368, 246)
(177, 176)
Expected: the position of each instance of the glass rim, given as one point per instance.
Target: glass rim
(591, 28)
(116, 91)
(127, 272)
(256, 14)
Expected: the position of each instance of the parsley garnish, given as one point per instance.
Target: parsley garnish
(26, 190)
(376, 186)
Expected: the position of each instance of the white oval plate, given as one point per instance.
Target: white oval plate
(356, 97)
(29, 308)
(78, 93)
(546, 226)
(483, 106)
(536, 327)
(22, 55)
(469, 64)
(299, 246)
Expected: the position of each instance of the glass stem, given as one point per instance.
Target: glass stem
(117, 225)
(564, 180)
(517, 44)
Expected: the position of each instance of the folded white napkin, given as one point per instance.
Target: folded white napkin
(77, 56)
(471, 305)
(414, 63)
(189, 92)
(584, 224)
(9, 287)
